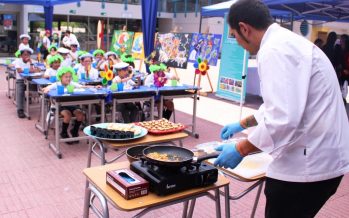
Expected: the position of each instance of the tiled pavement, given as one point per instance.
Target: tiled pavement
(34, 183)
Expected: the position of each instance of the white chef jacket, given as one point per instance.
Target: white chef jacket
(50, 72)
(21, 65)
(93, 73)
(302, 122)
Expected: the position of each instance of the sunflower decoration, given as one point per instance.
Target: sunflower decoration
(201, 67)
(107, 76)
(159, 74)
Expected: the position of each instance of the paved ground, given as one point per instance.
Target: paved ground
(34, 183)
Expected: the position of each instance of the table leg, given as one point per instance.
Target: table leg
(41, 125)
(89, 155)
(257, 199)
(103, 111)
(113, 111)
(185, 209)
(161, 108)
(56, 146)
(227, 201)
(87, 200)
(218, 202)
(26, 83)
(191, 208)
(152, 108)
(194, 116)
(89, 114)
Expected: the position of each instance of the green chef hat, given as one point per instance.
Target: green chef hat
(55, 58)
(52, 46)
(81, 52)
(64, 70)
(127, 58)
(18, 53)
(98, 51)
(157, 67)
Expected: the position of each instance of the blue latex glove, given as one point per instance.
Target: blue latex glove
(229, 130)
(229, 158)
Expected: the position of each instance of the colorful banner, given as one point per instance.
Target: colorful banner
(234, 62)
(137, 46)
(122, 42)
(206, 47)
(173, 48)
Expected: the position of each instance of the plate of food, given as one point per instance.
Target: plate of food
(162, 126)
(115, 131)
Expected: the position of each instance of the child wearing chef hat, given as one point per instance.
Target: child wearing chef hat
(85, 70)
(67, 60)
(129, 111)
(24, 41)
(54, 62)
(111, 58)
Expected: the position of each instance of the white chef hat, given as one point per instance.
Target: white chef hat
(87, 55)
(24, 36)
(74, 42)
(106, 55)
(63, 50)
(120, 65)
(25, 48)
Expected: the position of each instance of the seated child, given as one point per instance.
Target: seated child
(78, 61)
(98, 58)
(158, 77)
(52, 51)
(129, 111)
(111, 58)
(54, 63)
(24, 41)
(65, 77)
(86, 68)
(21, 65)
(67, 60)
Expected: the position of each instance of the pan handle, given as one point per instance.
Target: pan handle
(208, 156)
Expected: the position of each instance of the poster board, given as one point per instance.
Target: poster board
(122, 42)
(173, 48)
(234, 60)
(137, 46)
(205, 46)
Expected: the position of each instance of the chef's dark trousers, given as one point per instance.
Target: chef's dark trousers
(297, 199)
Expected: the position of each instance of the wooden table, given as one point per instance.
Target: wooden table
(96, 177)
(123, 145)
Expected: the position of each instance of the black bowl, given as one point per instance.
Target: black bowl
(135, 153)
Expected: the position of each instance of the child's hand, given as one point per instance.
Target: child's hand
(45, 90)
(98, 87)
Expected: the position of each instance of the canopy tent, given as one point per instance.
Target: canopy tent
(324, 10)
(47, 4)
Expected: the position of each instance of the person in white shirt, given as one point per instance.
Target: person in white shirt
(65, 53)
(158, 78)
(302, 122)
(54, 63)
(46, 43)
(98, 59)
(52, 52)
(129, 111)
(24, 41)
(111, 58)
(73, 50)
(86, 71)
(23, 65)
(69, 38)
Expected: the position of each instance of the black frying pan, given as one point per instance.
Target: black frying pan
(177, 156)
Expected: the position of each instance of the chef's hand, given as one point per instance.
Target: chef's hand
(229, 158)
(229, 130)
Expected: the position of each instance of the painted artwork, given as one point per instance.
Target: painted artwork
(137, 46)
(173, 49)
(122, 42)
(205, 46)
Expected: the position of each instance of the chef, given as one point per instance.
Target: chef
(302, 122)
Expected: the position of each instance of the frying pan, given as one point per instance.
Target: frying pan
(178, 156)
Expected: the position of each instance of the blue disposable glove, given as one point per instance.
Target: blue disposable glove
(229, 158)
(229, 130)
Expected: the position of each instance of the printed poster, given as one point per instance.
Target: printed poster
(137, 46)
(205, 46)
(8, 21)
(173, 49)
(234, 63)
(122, 42)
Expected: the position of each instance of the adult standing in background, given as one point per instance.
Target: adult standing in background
(46, 43)
(68, 38)
(302, 122)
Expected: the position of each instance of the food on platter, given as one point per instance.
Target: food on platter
(116, 131)
(161, 126)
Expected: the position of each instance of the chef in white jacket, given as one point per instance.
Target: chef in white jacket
(302, 122)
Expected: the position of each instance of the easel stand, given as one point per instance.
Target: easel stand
(199, 84)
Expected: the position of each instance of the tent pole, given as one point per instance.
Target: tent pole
(292, 18)
(200, 23)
